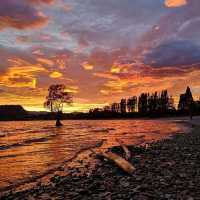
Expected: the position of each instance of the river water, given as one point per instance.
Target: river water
(28, 149)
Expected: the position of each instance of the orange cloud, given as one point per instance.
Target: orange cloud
(175, 3)
(113, 87)
(14, 23)
(37, 52)
(106, 75)
(87, 66)
(45, 61)
(72, 89)
(120, 67)
(66, 7)
(134, 84)
(61, 63)
(56, 75)
(21, 74)
(115, 69)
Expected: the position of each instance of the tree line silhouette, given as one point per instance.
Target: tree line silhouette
(157, 104)
(152, 104)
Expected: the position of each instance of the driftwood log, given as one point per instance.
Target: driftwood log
(126, 150)
(122, 163)
(119, 161)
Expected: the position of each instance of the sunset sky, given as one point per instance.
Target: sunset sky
(101, 50)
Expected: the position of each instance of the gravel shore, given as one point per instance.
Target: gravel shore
(167, 169)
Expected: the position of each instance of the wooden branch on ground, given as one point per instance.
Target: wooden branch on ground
(126, 150)
(120, 162)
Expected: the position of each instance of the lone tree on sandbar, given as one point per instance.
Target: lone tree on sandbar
(56, 100)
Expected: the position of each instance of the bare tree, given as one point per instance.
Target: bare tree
(56, 100)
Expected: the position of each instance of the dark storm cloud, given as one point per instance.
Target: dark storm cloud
(178, 23)
(111, 23)
(174, 53)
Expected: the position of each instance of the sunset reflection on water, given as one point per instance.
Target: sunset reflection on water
(28, 149)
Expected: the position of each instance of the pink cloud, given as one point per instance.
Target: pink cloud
(20, 15)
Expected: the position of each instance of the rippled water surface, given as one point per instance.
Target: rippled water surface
(30, 148)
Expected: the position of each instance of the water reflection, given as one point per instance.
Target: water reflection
(28, 149)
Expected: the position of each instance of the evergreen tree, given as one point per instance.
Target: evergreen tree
(115, 107)
(186, 100)
(123, 106)
(132, 104)
(143, 103)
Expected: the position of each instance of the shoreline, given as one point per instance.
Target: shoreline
(164, 170)
(118, 117)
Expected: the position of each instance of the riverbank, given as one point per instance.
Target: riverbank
(168, 169)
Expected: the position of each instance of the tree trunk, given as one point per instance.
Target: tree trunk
(191, 110)
(58, 122)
